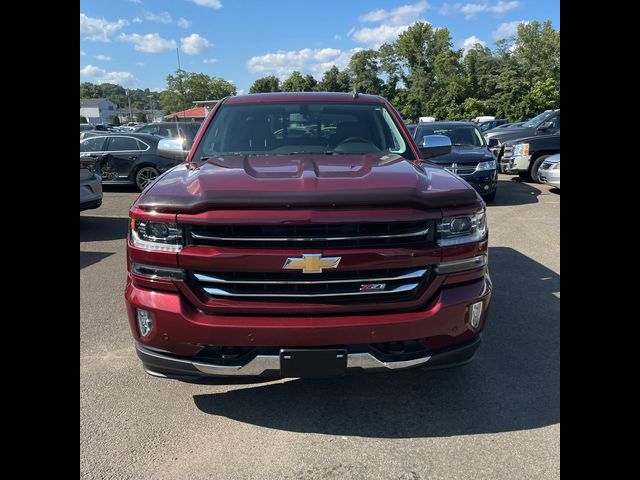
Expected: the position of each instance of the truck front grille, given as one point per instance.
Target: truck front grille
(296, 286)
(459, 169)
(296, 236)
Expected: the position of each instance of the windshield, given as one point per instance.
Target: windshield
(459, 135)
(290, 128)
(535, 120)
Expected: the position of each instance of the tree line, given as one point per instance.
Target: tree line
(423, 75)
(420, 73)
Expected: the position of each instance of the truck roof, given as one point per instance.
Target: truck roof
(304, 97)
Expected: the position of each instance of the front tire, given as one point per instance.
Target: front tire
(145, 176)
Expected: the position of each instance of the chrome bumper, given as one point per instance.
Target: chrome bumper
(160, 365)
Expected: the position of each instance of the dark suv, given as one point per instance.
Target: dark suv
(470, 158)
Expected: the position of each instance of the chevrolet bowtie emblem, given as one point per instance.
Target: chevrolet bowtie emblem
(312, 263)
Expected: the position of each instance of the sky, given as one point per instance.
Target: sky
(133, 42)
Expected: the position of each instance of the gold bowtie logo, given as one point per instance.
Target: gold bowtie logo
(312, 263)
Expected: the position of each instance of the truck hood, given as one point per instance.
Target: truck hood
(503, 134)
(465, 155)
(287, 181)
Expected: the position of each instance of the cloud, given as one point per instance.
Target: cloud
(392, 23)
(507, 30)
(136, 1)
(183, 23)
(194, 44)
(470, 10)
(150, 43)
(337, 37)
(162, 17)
(82, 53)
(398, 16)
(100, 75)
(140, 64)
(208, 3)
(136, 20)
(210, 60)
(99, 29)
(470, 42)
(307, 61)
(374, 37)
(104, 58)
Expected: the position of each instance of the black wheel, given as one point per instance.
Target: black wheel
(145, 175)
(490, 197)
(535, 167)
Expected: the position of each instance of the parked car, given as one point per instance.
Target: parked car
(470, 158)
(525, 155)
(85, 127)
(129, 158)
(306, 256)
(90, 185)
(170, 129)
(411, 127)
(546, 123)
(549, 171)
(490, 124)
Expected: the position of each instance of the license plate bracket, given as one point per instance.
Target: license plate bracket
(313, 363)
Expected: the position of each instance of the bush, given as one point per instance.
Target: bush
(141, 117)
(115, 120)
(83, 119)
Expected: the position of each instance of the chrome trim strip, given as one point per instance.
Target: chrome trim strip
(307, 239)
(224, 293)
(160, 272)
(461, 265)
(261, 363)
(214, 279)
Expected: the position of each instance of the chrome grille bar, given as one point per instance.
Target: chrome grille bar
(199, 236)
(223, 293)
(213, 279)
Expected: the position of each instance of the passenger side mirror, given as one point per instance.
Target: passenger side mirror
(173, 148)
(434, 146)
(492, 143)
(545, 126)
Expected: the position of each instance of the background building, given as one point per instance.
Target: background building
(97, 110)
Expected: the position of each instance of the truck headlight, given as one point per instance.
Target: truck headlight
(160, 236)
(490, 165)
(521, 149)
(458, 230)
(556, 166)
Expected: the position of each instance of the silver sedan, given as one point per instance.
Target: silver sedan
(90, 186)
(549, 171)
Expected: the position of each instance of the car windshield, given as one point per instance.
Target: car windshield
(535, 120)
(459, 135)
(291, 128)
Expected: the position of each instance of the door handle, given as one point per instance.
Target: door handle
(132, 157)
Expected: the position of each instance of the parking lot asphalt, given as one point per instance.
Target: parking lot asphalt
(497, 417)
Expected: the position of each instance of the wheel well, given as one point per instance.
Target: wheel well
(540, 153)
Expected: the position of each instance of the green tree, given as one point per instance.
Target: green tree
(184, 88)
(364, 69)
(334, 80)
(265, 85)
(115, 120)
(297, 83)
(141, 117)
(83, 119)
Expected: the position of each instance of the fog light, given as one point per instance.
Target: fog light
(145, 322)
(475, 312)
(486, 187)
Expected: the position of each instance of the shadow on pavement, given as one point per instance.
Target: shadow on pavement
(515, 192)
(89, 258)
(512, 384)
(98, 229)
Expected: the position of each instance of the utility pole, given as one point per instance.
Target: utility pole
(184, 106)
(130, 113)
(150, 97)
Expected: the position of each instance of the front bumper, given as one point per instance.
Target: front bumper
(181, 332)
(90, 192)
(485, 182)
(515, 164)
(167, 366)
(550, 177)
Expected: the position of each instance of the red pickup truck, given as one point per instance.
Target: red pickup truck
(306, 235)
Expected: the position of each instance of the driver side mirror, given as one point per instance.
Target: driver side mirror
(545, 126)
(174, 148)
(434, 146)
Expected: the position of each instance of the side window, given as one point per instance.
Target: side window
(141, 145)
(556, 122)
(92, 144)
(119, 144)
